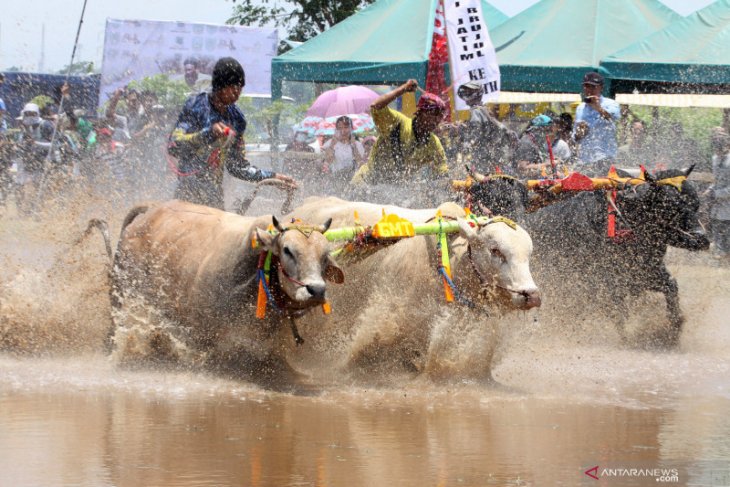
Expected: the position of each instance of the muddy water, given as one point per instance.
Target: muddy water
(564, 399)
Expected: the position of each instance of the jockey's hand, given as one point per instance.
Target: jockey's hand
(220, 130)
(410, 85)
(290, 181)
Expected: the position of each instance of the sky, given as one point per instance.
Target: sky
(22, 21)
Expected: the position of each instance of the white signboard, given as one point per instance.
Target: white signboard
(134, 49)
(471, 52)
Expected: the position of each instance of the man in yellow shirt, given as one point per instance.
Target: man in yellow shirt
(406, 148)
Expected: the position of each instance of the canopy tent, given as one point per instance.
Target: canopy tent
(386, 43)
(674, 100)
(550, 46)
(693, 50)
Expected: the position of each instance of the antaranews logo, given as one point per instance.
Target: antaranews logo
(669, 475)
(592, 472)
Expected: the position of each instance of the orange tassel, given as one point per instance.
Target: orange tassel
(261, 302)
(326, 308)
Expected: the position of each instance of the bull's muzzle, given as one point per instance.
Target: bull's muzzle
(317, 291)
(694, 240)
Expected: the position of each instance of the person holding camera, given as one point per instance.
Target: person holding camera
(595, 128)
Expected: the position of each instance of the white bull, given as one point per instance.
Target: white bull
(197, 266)
(395, 294)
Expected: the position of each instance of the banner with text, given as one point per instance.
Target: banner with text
(134, 49)
(471, 52)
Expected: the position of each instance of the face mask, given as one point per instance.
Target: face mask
(301, 137)
(343, 133)
(29, 120)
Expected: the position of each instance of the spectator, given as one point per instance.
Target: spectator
(208, 135)
(299, 143)
(532, 155)
(192, 76)
(405, 146)
(295, 162)
(126, 126)
(344, 154)
(35, 147)
(368, 143)
(485, 141)
(595, 127)
(565, 133)
(720, 192)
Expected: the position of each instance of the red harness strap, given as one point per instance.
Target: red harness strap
(611, 230)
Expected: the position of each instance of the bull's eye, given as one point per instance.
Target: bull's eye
(498, 254)
(289, 253)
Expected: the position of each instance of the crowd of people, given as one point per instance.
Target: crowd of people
(53, 144)
(208, 136)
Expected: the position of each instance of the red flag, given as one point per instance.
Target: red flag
(439, 56)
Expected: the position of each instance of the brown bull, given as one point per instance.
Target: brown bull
(197, 267)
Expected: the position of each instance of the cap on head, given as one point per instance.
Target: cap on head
(431, 103)
(593, 78)
(227, 72)
(31, 108)
(541, 121)
(467, 90)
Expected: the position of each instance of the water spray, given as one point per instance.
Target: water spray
(44, 176)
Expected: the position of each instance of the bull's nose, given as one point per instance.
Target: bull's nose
(533, 299)
(316, 290)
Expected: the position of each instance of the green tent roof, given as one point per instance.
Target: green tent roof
(549, 46)
(695, 49)
(387, 42)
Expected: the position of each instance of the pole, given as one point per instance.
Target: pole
(44, 177)
(552, 156)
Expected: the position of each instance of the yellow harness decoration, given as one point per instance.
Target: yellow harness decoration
(676, 181)
(443, 255)
(393, 226)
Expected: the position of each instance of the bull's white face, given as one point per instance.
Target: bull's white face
(501, 255)
(305, 265)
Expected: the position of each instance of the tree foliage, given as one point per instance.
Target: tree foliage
(303, 19)
(79, 67)
(169, 93)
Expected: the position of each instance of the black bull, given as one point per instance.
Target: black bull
(571, 240)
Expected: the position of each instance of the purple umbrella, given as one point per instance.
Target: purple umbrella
(343, 101)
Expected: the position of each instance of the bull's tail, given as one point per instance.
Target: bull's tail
(104, 229)
(133, 213)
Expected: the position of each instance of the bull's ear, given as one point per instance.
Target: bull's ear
(277, 225)
(649, 177)
(466, 230)
(265, 239)
(333, 273)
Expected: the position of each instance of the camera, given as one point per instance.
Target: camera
(587, 99)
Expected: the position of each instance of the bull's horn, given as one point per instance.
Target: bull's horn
(277, 225)
(479, 178)
(326, 225)
(689, 170)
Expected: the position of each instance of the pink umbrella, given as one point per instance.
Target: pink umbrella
(343, 101)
